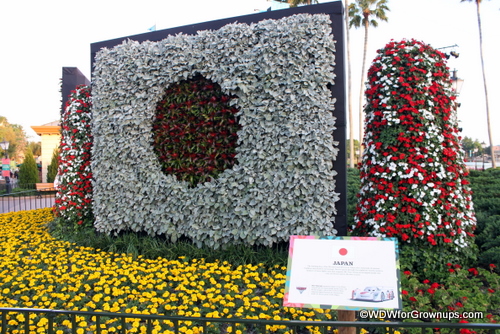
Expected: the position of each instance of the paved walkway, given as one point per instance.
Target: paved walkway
(10, 204)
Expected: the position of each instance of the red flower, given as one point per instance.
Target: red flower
(491, 290)
(404, 292)
(431, 291)
(407, 273)
(473, 271)
(413, 299)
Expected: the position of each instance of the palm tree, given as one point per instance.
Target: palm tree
(295, 3)
(488, 123)
(349, 87)
(364, 13)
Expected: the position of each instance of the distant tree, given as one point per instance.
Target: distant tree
(52, 168)
(35, 148)
(295, 3)
(471, 147)
(356, 150)
(15, 135)
(488, 119)
(364, 13)
(28, 172)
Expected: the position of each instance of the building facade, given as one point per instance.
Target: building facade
(50, 135)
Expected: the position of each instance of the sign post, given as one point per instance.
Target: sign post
(343, 273)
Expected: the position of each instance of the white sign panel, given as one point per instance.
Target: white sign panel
(349, 273)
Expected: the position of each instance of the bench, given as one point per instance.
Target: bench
(44, 187)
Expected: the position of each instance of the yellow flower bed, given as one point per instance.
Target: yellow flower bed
(39, 271)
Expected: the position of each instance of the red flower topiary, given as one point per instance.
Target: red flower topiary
(74, 176)
(413, 183)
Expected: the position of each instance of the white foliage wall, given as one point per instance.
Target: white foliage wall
(284, 182)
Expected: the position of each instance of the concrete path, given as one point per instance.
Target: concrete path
(10, 204)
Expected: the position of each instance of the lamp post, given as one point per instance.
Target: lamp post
(457, 82)
(475, 158)
(483, 145)
(5, 147)
(6, 165)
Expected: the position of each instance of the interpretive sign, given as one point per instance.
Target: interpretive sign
(5, 167)
(347, 273)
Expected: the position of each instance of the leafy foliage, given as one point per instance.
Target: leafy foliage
(52, 168)
(363, 13)
(461, 289)
(353, 186)
(486, 195)
(28, 172)
(195, 131)
(15, 135)
(471, 147)
(283, 183)
(35, 148)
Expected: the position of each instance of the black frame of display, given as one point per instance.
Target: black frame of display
(71, 78)
(335, 11)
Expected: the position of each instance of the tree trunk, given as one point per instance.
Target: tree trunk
(488, 122)
(362, 91)
(349, 87)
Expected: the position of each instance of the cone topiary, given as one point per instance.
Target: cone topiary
(413, 176)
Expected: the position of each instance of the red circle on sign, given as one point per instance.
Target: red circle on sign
(343, 251)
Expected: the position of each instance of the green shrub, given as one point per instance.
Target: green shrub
(462, 289)
(353, 185)
(52, 168)
(28, 172)
(486, 197)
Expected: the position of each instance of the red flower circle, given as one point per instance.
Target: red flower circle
(195, 130)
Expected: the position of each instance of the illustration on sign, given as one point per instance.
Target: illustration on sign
(343, 273)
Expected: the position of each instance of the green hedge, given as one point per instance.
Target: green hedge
(486, 197)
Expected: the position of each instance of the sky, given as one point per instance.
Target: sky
(40, 38)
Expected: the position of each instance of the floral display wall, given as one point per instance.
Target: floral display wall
(74, 175)
(413, 183)
(282, 181)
